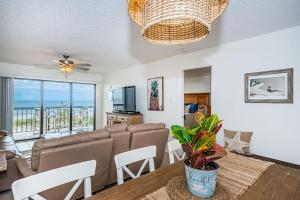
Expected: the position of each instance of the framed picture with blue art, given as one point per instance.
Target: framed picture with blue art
(274, 86)
(155, 94)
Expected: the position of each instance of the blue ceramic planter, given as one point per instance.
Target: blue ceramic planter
(201, 183)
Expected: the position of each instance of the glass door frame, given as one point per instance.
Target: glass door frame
(42, 104)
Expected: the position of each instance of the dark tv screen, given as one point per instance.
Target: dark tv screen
(124, 99)
(118, 96)
(130, 99)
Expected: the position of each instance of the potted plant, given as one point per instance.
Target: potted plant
(199, 144)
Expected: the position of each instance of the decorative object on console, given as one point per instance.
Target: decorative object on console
(199, 144)
(274, 86)
(110, 93)
(175, 22)
(155, 94)
(237, 141)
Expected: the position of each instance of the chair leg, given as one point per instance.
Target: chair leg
(151, 165)
(87, 187)
(120, 176)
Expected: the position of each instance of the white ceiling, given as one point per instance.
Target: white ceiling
(34, 32)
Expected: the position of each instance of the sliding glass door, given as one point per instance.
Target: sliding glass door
(47, 107)
(27, 109)
(56, 106)
(83, 107)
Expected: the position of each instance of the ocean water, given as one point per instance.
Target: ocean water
(30, 104)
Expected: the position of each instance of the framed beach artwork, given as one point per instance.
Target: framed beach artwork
(155, 94)
(274, 86)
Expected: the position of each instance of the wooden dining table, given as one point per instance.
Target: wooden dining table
(279, 182)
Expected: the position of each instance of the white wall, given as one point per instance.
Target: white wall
(197, 81)
(275, 126)
(22, 71)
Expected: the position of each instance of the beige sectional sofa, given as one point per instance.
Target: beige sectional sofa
(100, 145)
(9, 148)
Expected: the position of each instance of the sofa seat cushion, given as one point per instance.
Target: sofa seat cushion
(146, 127)
(64, 141)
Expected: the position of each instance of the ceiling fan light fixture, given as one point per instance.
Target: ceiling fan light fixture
(67, 68)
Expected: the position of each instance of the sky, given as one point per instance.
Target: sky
(29, 90)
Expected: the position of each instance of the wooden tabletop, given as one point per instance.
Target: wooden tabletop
(3, 163)
(277, 183)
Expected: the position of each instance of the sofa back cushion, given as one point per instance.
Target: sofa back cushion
(64, 141)
(145, 127)
(121, 144)
(147, 135)
(116, 128)
(99, 150)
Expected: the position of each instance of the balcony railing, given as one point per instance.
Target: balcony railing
(27, 120)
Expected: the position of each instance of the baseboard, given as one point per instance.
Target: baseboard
(276, 161)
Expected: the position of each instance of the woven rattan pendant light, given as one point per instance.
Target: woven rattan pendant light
(175, 22)
(135, 9)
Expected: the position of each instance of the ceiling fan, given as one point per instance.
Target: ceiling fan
(68, 66)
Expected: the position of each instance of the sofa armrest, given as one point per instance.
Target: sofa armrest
(24, 168)
(9, 154)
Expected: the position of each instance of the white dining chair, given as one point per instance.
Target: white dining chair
(123, 159)
(173, 147)
(32, 185)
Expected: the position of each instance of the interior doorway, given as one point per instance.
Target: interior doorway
(197, 93)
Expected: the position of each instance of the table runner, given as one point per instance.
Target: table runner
(236, 173)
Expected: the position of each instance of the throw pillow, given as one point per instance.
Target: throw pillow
(238, 141)
(187, 108)
(193, 108)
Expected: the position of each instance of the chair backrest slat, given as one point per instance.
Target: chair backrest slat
(173, 148)
(32, 185)
(123, 159)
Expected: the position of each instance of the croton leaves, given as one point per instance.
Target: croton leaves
(199, 117)
(187, 148)
(199, 142)
(205, 142)
(183, 135)
(193, 131)
(208, 124)
(177, 132)
(218, 127)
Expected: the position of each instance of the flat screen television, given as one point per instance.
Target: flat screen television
(124, 99)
